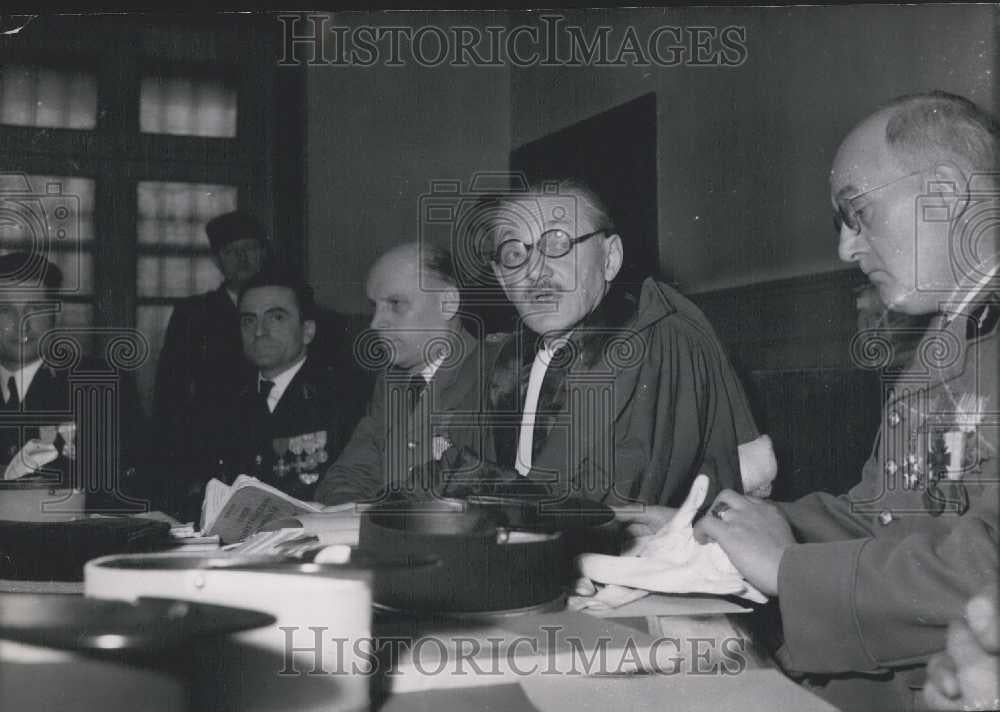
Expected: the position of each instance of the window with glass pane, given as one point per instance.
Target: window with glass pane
(175, 259)
(47, 98)
(185, 106)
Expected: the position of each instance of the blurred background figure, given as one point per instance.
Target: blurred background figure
(202, 363)
(55, 422)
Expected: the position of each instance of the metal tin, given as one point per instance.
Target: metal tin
(39, 501)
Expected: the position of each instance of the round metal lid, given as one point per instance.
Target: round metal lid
(71, 622)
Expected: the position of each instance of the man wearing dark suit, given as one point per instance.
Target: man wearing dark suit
(47, 386)
(431, 378)
(614, 392)
(286, 422)
(202, 364)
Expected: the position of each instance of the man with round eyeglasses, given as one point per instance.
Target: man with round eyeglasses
(617, 392)
(867, 583)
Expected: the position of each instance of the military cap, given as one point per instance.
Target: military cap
(237, 225)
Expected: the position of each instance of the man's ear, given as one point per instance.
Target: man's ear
(950, 185)
(614, 253)
(308, 331)
(449, 303)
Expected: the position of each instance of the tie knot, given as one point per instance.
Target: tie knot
(264, 388)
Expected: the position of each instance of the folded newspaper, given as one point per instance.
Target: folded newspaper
(234, 512)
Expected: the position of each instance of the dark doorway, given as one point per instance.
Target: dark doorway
(615, 153)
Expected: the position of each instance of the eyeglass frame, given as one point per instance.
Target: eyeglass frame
(840, 218)
(573, 242)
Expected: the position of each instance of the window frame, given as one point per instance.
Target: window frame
(117, 155)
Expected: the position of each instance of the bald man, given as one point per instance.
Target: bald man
(430, 363)
(867, 583)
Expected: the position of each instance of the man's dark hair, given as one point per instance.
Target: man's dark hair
(305, 298)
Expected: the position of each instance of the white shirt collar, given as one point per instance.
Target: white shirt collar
(281, 382)
(970, 295)
(430, 369)
(22, 377)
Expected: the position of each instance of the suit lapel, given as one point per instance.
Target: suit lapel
(508, 383)
(295, 393)
(43, 392)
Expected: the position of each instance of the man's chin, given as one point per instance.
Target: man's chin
(547, 324)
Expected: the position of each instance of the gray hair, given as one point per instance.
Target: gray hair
(942, 127)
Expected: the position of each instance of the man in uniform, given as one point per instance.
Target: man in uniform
(431, 368)
(287, 421)
(867, 583)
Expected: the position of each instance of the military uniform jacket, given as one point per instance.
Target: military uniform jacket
(867, 594)
(292, 446)
(399, 436)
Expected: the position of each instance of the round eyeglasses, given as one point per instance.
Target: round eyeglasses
(514, 253)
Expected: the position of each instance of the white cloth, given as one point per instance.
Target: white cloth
(32, 457)
(758, 466)
(670, 561)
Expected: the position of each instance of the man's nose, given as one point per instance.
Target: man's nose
(850, 246)
(537, 267)
(379, 322)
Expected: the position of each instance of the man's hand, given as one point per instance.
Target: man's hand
(641, 522)
(964, 677)
(752, 532)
